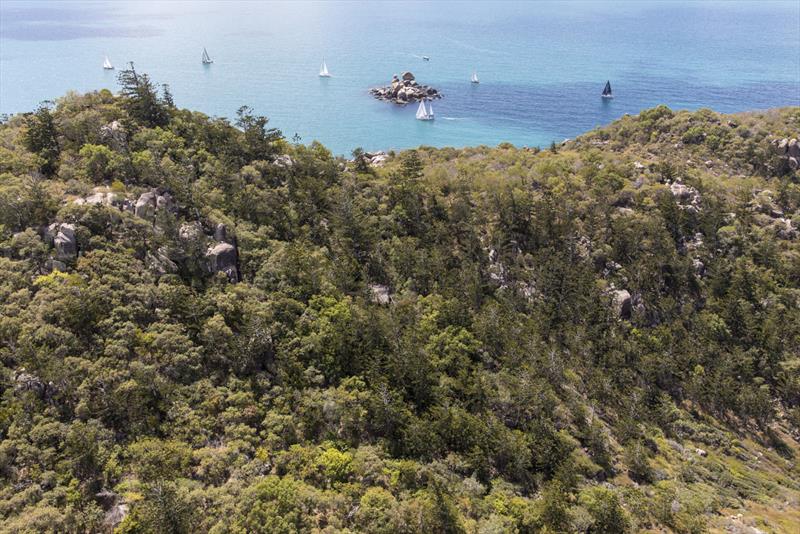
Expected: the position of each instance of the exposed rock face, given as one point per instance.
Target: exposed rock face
(145, 206)
(116, 515)
(793, 149)
(222, 258)
(688, 197)
(114, 134)
(284, 161)
(160, 262)
(190, 231)
(149, 202)
(376, 159)
(405, 90)
(622, 303)
(221, 233)
(380, 294)
(789, 150)
(62, 237)
(99, 197)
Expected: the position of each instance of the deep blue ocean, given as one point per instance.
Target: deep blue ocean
(542, 65)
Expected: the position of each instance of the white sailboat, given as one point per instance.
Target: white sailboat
(323, 70)
(107, 64)
(206, 58)
(474, 78)
(424, 113)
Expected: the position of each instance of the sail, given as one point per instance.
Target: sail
(107, 63)
(474, 78)
(607, 89)
(323, 70)
(206, 57)
(422, 113)
(430, 110)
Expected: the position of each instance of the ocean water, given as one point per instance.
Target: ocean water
(542, 65)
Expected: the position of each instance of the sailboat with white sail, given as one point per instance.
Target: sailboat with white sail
(474, 78)
(323, 70)
(107, 64)
(206, 58)
(607, 91)
(425, 113)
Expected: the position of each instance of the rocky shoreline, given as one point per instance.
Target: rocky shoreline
(405, 89)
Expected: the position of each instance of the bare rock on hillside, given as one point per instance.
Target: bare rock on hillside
(222, 257)
(622, 303)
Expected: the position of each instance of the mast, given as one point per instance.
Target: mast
(422, 112)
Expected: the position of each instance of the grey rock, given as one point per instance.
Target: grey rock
(27, 382)
(699, 266)
(793, 149)
(221, 233)
(377, 159)
(622, 303)
(164, 202)
(190, 231)
(380, 294)
(701, 452)
(150, 202)
(145, 206)
(687, 196)
(781, 146)
(115, 516)
(794, 163)
(407, 76)
(284, 161)
(63, 239)
(114, 134)
(160, 262)
(222, 258)
(101, 198)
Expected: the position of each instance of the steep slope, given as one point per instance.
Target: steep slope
(206, 328)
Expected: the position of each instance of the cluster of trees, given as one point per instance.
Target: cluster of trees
(431, 346)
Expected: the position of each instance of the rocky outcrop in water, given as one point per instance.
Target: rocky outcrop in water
(405, 89)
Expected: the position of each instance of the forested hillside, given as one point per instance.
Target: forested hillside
(206, 327)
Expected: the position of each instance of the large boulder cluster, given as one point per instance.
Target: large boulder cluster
(61, 236)
(222, 255)
(788, 149)
(688, 197)
(405, 89)
(150, 202)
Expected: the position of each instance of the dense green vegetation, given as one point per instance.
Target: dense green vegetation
(601, 337)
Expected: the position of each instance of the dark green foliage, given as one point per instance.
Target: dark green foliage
(41, 138)
(142, 101)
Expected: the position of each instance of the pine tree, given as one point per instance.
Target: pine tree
(42, 138)
(141, 98)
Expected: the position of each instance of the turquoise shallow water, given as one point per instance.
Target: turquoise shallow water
(542, 65)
